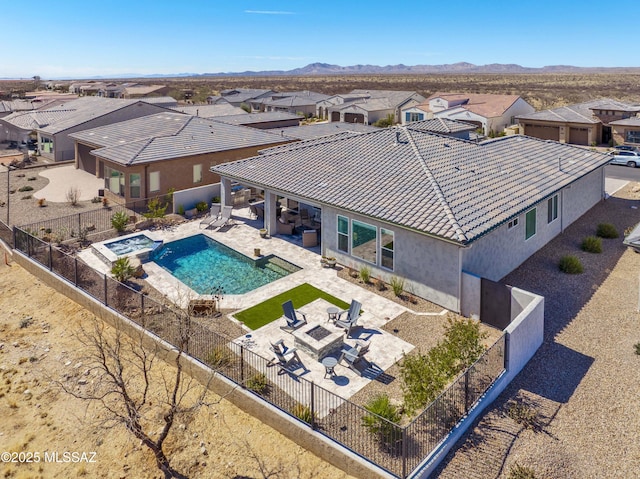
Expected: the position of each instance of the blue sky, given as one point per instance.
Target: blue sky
(80, 39)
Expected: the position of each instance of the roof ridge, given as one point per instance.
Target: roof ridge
(462, 237)
(143, 146)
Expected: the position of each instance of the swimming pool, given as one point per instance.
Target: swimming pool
(203, 264)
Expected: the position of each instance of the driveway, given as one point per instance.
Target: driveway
(62, 179)
(582, 386)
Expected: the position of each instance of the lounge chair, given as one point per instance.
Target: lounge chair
(285, 358)
(353, 357)
(284, 228)
(291, 315)
(351, 318)
(214, 213)
(225, 217)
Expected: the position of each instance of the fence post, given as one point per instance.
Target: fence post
(105, 289)
(404, 452)
(50, 259)
(242, 366)
(313, 406)
(142, 318)
(75, 271)
(466, 391)
(79, 224)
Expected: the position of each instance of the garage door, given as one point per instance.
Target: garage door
(543, 132)
(353, 118)
(578, 136)
(335, 116)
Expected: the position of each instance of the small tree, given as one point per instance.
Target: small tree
(155, 209)
(119, 221)
(245, 107)
(73, 195)
(383, 420)
(385, 122)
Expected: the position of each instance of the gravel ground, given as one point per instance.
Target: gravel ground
(581, 387)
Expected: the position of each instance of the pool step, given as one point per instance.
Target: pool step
(281, 265)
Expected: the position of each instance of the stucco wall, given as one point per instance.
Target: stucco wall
(470, 296)
(429, 266)
(190, 197)
(501, 251)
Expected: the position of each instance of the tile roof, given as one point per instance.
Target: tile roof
(243, 94)
(442, 125)
(367, 104)
(449, 188)
(171, 135)
(578, 113)
(395, 97)
(320, 130)
(253, 118)
(210, 111)
(633, 121)
(484, 104)
(34, 120)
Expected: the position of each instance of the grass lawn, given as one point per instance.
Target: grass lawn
(270, 310)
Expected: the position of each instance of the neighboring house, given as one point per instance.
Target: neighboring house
(297, 102)
(262, 121)
(210, 110)
(447, 127)
(367, 106)
(585, 123)
(626, 132)
(148, 156)
(54, 125)
(490, 113)
(78, 88)
(320, 130)
(238, 96)
(132, 90)
(425, 207)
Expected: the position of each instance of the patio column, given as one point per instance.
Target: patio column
(270, 212)
(225, 192)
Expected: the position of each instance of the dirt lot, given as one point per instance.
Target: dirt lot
(219, 442)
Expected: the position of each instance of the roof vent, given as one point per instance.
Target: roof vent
(397, 140)
(446, 145)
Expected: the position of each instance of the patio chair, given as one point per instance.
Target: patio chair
(286, 359)
(291, 315)
(306, 219)
(284, 228)
(253, 212)
(214, 213)
(351, 318)
(225, 218)
(354, 359)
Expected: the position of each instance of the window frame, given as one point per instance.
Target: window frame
(552, 209)
(346, 236)
(153, 174)
(528, 236)
(132, 186)
(354, 237)
(197, 173)
(513, 223)
(383, 248)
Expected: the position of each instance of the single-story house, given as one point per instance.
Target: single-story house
(626, 132)
(367, 106)
(445, 126)
(210, 110)
(487, 111)
(297, 102)
(427, 207)
(320, 130)
(238, 96)
(54, 125)
(587, 123)
(148, 156)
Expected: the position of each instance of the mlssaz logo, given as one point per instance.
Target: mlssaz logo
(70, 457)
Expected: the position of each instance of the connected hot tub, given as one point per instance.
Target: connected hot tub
(135, 245)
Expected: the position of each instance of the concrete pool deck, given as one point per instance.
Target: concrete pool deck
(385, 348)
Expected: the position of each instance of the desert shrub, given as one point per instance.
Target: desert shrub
(42, 202)
(592, 244)
(303, 413)
(122, 269)
(27, 197)
(380, 286)
(607, 230)
(521, 472)
(26, 322)
(219, 357)
(570, 264)
(31, 178)
(245, 107)
(155, 209)
(385, 122)
(397, 285)
(181, 210)
(258, 383)
(523, 414)
(637, 348)
(382, 422)
(25, 188)
(119, 221)
(201, 206)
(365, 274)
(73, 195)
(96, 199)
(424, 376)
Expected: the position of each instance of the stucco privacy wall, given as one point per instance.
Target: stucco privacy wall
(470, 295)
(502, 250)
(303, 435)
(429, 266)
(188, 198)
(525, 335)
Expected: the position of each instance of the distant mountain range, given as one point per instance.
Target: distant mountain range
(329, 69)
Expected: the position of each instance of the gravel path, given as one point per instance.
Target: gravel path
(582, 385)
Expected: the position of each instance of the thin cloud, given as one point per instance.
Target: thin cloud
(269, 12)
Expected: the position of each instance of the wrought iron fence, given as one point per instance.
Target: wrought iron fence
(395, 448)
(6, 233)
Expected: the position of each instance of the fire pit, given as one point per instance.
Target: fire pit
(318, 341)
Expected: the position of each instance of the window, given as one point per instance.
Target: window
(364, 241)
(114, 181)
(154, 181)
(134, 185)
(513, 223)
(343, 234)
(633, 137)
(409, 117)
(530, 228)
(552, 208)
(47, 144)
(197, 173)
(386, 248)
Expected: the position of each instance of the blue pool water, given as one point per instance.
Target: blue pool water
(203, 264)
(129, 245)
